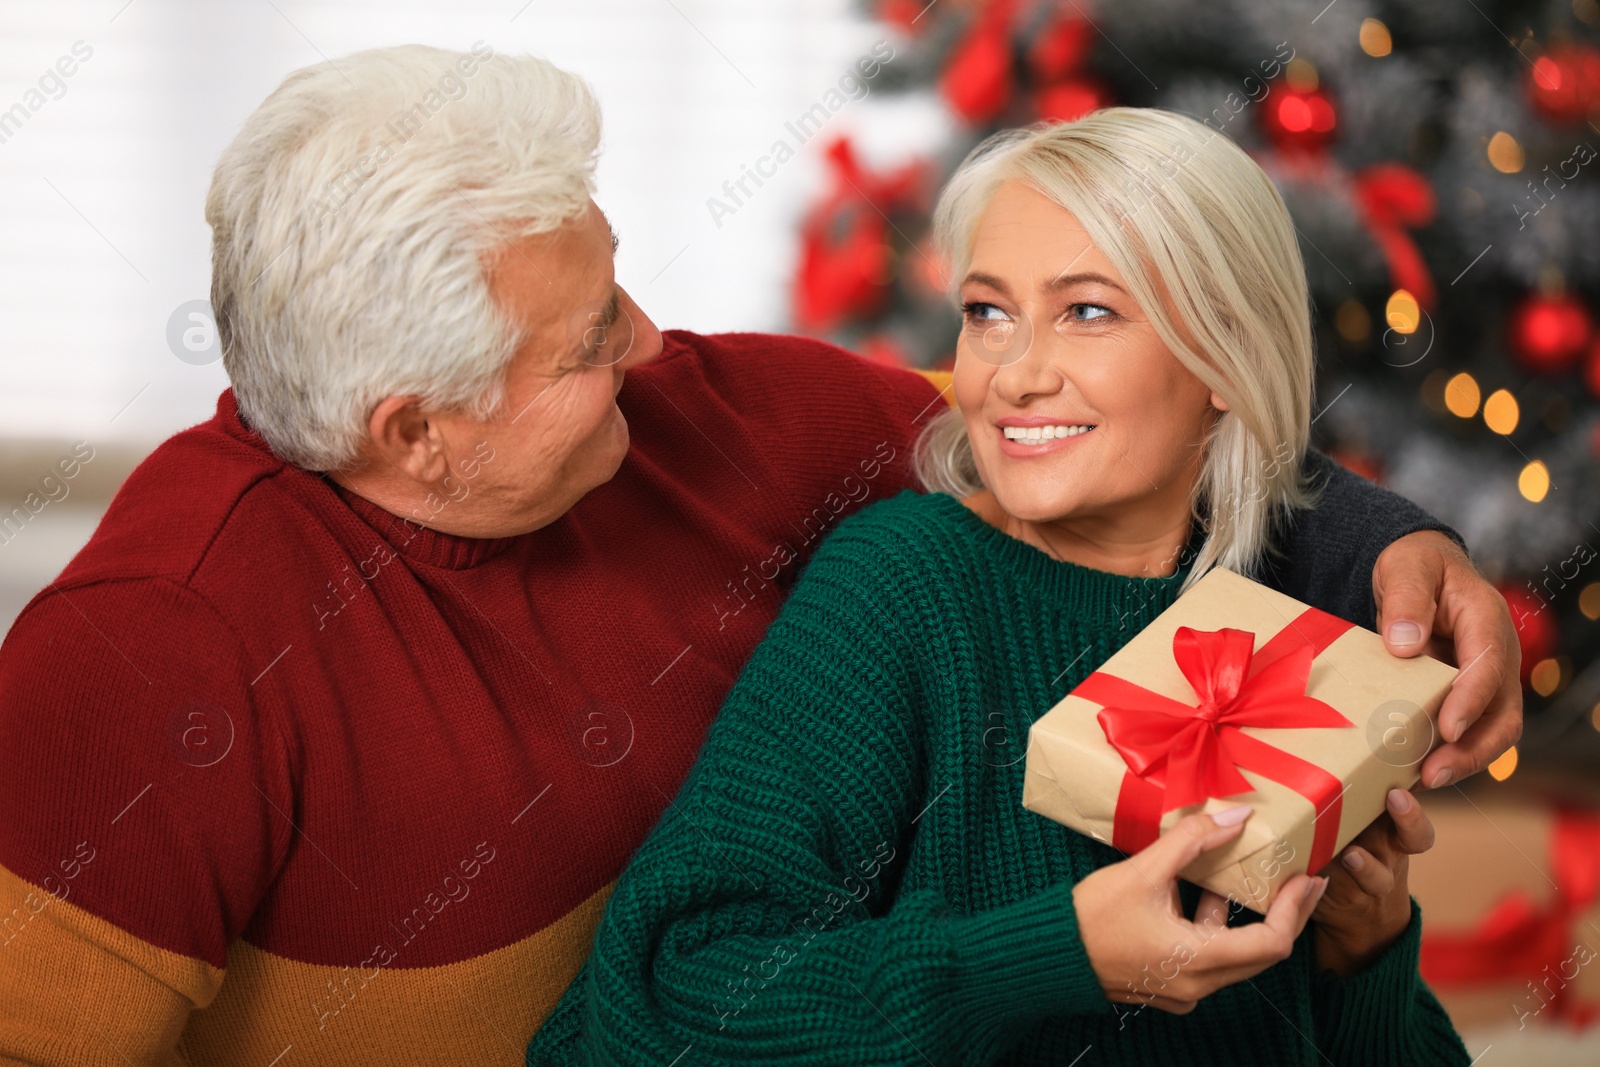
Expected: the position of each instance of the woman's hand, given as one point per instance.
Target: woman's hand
(1368, 903)
(1143, 949)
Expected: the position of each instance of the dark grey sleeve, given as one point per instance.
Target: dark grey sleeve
(1328, 552)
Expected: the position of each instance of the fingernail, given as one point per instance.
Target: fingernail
(1311, 886)
(1399, 801)
(1404, 633)
(1232, 816)
(1456, 731)
(1354, 861)
(1442, 779)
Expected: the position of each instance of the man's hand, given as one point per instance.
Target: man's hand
(1368, 903)
(1432, 599)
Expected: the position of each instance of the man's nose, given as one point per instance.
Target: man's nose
(646, 336)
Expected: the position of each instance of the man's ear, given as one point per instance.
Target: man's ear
(402, 437)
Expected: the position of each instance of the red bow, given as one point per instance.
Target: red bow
(1189, 751)
(1179, 754)
(1393, 197)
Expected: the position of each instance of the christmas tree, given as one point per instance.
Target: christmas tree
(1440, 163)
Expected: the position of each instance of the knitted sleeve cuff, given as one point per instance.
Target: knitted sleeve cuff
(1025, 961)
(1385, 982)
(1385, 1011)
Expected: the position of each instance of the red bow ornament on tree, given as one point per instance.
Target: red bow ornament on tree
(1394, 198)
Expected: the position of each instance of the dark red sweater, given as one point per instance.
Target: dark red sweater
(383, 775)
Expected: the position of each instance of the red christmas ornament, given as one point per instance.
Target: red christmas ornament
(979, 83)
(1069, 100)
(1565, 82)
(1059, 48)
(1298, 119)
(1547, 334)
(1535, 623)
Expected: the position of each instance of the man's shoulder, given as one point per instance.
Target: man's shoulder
(171, 510)
(815, 412)
(786, 369)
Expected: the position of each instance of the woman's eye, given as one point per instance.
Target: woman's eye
(1088, 312)
(982, 312)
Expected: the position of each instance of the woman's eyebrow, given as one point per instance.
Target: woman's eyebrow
(1062, 281)
(977, 277)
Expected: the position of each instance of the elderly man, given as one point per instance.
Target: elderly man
(328, 746)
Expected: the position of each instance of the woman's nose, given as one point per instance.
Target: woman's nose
(1029, 368)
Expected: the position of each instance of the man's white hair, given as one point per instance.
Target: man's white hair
(1204, 241)
(351, 219)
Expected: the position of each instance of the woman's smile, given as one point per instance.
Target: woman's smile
(1025, 441)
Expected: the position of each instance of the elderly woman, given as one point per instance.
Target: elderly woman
(845, 877)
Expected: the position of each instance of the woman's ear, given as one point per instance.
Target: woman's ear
(1219, 403)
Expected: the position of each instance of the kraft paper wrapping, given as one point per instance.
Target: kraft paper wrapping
(1073, 774)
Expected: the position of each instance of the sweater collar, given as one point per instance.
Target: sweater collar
(1107, 597)
(406, 536)
(419, 543)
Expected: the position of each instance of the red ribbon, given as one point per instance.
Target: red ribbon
(1180, 754)
(1392, 197)
(1518, 939)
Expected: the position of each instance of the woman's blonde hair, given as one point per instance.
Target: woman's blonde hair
(1180, 211)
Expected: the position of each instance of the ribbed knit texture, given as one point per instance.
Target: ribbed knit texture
(848, 875)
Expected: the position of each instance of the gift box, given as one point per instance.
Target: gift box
(1511, 926)
(1238, 694)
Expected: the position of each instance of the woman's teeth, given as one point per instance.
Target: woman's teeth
(1038, 435)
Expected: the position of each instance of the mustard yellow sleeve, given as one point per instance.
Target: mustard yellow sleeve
(77, 991)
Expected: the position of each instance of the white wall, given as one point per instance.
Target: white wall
(102, 190)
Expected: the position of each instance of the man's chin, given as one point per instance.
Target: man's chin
(619, 454)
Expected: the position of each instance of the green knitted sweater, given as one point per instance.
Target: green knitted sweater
(848, 875)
